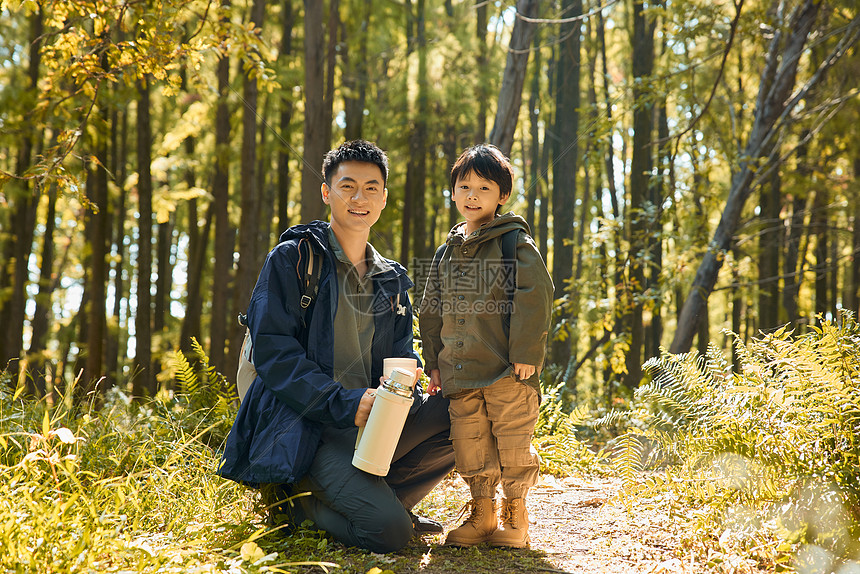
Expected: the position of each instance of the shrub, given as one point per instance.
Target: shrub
(768, 455)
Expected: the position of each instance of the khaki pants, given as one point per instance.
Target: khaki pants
(492, 429)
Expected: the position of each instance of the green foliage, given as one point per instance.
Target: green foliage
(131, 487)
(557, 441)
(208, 394)
(776, 442)
(125, 487)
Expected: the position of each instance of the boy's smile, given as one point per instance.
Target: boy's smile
(476, 199)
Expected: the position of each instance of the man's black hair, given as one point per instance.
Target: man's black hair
(356, 150)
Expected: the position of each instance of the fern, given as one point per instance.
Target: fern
(206, 391)
(760, 437)
(556, 437)
(627, 457)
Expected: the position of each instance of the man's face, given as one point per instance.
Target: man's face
(356, 195)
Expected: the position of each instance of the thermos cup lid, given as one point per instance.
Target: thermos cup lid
(399, 382)
(401, 376)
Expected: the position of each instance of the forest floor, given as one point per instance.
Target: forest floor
(578, 525)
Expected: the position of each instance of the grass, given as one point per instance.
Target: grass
(131, 487)
(126, 488)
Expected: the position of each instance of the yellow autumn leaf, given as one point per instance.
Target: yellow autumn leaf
(65, 435)
(250, 552)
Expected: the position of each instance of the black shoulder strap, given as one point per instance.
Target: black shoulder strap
(311, 280)
(509, 257)
(509, 260)
(437, 258)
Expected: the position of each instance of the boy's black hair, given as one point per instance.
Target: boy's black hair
(487, 161)
(356, 150)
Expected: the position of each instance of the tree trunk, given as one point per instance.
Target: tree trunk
(315, 143)
(355, 78)
(853, 300)
(249, 227)
(144, 379)
(511, 93)
(196, 268)
(658, 191)
(534, 137)
(641, 164)
(772, 103)
(331, 59)
(416, 176)
(97, 232)
(565, 159)
(24, 203)
(284, 178)
(482, 67)
(164, 279)
(737, 311)
(223, 266)
(769, 250)
(793, 273)
(115, 340)
(41, 325)
(818, 231)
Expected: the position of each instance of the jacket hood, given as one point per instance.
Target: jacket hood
(316, 228)
(318, 231)
(498, 226)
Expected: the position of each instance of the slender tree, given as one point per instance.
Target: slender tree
(285, 132)
(511, 92)
(24, 200)
(249, 228)
(773, 103)
(144, 380)
(642, 162)
(223, 265)
(565, 156)
(315, 142)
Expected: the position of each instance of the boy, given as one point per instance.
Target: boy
(484, 348)
(296, 427)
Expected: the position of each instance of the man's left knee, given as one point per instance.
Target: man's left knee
(392, 531)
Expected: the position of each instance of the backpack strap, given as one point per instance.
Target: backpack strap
(308, 287)
(308, 283)
(311, 280)
(437, 258)
(509, 260)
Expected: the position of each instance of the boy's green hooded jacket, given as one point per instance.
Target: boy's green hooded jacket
(464, 308)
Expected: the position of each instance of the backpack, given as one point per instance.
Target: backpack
(309, 285)
(509, 260)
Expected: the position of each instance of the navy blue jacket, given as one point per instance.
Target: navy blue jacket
(277, 429)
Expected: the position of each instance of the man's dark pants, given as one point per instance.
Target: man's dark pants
(372, 512)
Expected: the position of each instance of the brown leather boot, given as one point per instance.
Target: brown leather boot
(514, 530)
(480, 524)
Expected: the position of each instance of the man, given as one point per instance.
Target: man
(296, 428)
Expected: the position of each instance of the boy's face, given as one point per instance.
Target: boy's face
(356, 195)
(477, 199)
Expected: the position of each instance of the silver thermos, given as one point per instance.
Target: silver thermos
(377, 439)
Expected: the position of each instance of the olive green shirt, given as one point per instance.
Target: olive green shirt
(463, 311)
(353, 322)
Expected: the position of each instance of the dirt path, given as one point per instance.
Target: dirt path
(577, 525)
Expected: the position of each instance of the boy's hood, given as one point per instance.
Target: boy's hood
(492, 229)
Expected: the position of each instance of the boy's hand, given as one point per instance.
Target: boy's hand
(435, 382)
(524, 371)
